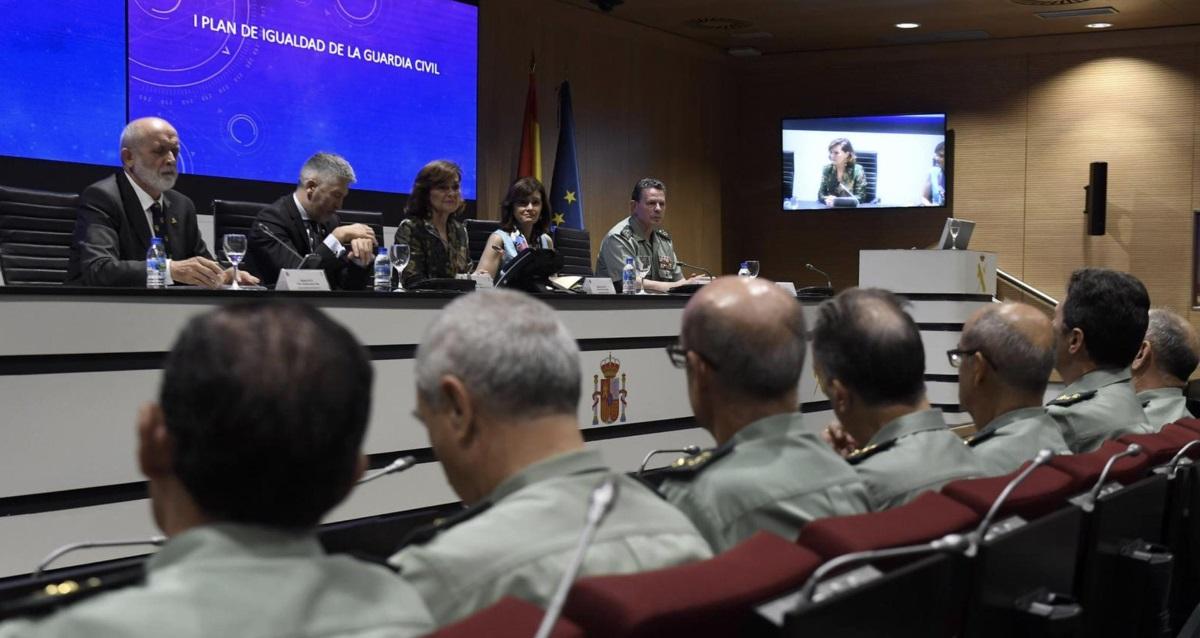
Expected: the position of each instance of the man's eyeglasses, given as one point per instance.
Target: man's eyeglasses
(957, 355)
(678, 356)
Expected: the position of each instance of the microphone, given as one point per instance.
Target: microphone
(1089, 503)
(600, 503)
(828, 279)
(1172, 466)
(976, 537)
(67, 549)
(399, 465)
(947, 543)
(703, 270)
(690, 450)
(300, 261)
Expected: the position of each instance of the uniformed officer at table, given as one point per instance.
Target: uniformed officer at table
(256, 436)
(498, 388)
(1099, 325)
(870, 362)
(1168, 356)
(742, 344)
(642, 236)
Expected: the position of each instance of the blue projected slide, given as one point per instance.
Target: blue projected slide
(64, 80)
(256, 86)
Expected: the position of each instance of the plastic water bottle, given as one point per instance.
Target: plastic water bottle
(383, 271)
(629, 278)
(156, 264)
(744, 270)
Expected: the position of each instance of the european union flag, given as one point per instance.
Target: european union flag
(566, 201)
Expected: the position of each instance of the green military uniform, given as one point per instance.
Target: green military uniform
(628, 239)
(1163, 405)
(1014, 438)
(1097, 407)
(430, 257)
(772, 476)
(239, 580)
(520, 539)
(910, 455)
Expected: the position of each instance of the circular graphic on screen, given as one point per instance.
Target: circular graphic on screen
(178, 44)
(358, 12)
(243, 132)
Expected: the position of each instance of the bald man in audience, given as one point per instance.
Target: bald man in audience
(1004, 358)
(870, 362)
(1167, 357)
(501, 414)
(1099, 327)
(742, 345)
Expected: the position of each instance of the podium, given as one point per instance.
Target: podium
(944, 287)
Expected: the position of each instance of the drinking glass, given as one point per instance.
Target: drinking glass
(235, 248)
(399, 254)
(954, 234)
(752, 266)
(642, 266)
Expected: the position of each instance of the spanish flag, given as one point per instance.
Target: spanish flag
(530, 161)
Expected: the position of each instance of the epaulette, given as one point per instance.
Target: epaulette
(662, 232)
(862, 454)
(1064, 400)
(1145, 404)
(980, 437)
(58, 594)
(689, 466)
(426, 533)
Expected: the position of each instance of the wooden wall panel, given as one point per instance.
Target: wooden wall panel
(645, 103)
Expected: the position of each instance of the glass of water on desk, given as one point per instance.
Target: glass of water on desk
(642, 266)
(399, 255)
(235, 248)
(954, 226)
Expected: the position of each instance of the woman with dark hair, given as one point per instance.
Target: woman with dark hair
(935, 182)
(843, 176)
(524, 220)
(436, 239)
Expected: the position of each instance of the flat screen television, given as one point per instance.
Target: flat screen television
(870, 161)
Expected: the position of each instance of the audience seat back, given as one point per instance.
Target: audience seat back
(926, 518)
(1042, 492)
(508, 618)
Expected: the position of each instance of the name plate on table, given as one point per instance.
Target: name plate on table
(481, 281)
(296, 279)
(599, 286)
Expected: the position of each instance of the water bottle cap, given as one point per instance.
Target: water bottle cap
(382, 250)
(629, 260)
(156, 240)
(745, 264)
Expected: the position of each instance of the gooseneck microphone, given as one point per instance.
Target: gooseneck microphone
(399, 465)
(67, 549)
(703, 270)
(1172, 466)
(1089, 504)
(300, 260)
(828, 279)
(690, 450)
(947, 543)
(976, 537)
(600, 503)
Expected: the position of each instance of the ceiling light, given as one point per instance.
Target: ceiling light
(1099, 25)
(907, 25)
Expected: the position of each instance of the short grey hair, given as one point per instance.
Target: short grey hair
(760, 364)
(327, 167)
(510, 351)
(134, 135)
(1173, 341)
(1018, 361)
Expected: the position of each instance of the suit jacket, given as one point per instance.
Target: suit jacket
(112, 234)
(265, 257)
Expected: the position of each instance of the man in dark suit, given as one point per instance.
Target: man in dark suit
(118, 215)
(306, 221)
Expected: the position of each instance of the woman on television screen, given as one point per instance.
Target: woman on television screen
(524, 222)
(842, 177)
(935, 182)
(436, 239)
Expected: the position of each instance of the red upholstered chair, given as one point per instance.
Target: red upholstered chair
(1042, 492)
(929, 517)
(706, 598)
(1084, 469)
(1163, 445)
(1191, 424)
(509, 618)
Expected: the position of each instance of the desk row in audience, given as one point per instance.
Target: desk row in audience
(119, 216)
(501, 417)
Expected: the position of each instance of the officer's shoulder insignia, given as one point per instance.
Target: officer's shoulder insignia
(689, 466)
(979, 437)
(1145, 404)
(1064, 400)
(662, 232)
(862, 454)
(430, 531)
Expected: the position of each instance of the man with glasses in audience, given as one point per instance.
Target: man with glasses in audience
(870, 362)
(1099, 326)
(1004, 358)
(1167, 357)
(742, 344)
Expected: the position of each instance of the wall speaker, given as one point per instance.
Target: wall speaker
(1095, 206)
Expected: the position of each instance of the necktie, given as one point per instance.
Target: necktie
(316, 235)
(159, 221)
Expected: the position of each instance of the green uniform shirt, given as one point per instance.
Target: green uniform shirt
(627, 239)
(1014, 438)
(910, 455)
(522, 541)
(1097, 407)
(772, 476)
(239, 580)
(1163, 405)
